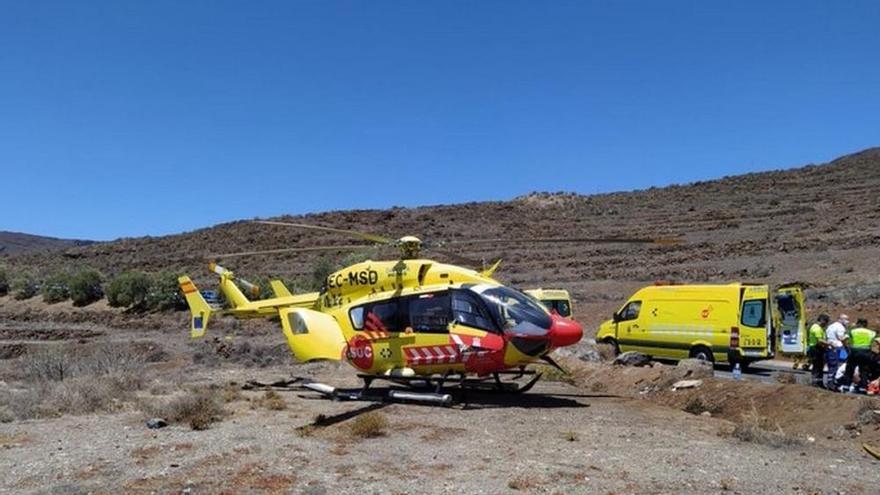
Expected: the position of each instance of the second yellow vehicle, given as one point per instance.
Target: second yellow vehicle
(733, 323)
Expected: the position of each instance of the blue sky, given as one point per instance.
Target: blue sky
(128, 118)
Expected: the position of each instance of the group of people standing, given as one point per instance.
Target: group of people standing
(836, 350)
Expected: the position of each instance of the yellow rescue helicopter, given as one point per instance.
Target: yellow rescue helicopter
(407, 320)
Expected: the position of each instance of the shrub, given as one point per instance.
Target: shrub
(369, 425)
(24, 286)
(49, 363)
(199, 408)
(75, 380)
(760, 429)
(273, 401)
(55, 288)
(4, 283)
(322, 268)
(164, 293)
(57, 363)
(129, 290)
(85, 287)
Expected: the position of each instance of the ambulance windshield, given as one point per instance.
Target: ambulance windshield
(519, 314)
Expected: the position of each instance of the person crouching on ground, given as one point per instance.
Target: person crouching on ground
(860, 342)
(871, 373)
(816, 346)
(835, 336)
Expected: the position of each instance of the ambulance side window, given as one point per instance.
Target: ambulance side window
(631, 311)
(753, 314)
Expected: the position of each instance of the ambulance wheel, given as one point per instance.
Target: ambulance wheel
(702, 353)
(613, 343)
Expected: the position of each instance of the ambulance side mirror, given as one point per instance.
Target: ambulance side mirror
(615, 317)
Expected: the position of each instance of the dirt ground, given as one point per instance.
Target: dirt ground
(606, 429)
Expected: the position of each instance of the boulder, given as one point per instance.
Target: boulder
(156, 423)
(632, 358)
(694, 369)
(584, 351)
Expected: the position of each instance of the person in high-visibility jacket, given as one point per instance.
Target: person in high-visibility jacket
(816, 346)
(860, 340)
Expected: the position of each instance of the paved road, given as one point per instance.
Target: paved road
(765, 371)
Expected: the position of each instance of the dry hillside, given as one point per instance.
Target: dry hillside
(819, 224)
(17, 242)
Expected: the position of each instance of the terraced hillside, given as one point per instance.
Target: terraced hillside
(818, 224)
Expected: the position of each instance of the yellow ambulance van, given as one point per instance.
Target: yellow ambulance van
(734, 323)
(557, 300)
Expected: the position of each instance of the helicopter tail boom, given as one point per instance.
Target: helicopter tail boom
(200, 309)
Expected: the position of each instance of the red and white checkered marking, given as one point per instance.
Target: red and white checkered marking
(433, 354)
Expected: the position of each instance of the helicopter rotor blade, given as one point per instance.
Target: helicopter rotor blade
(363, 235)
(588, 240)
(455, 256)
(349, 247)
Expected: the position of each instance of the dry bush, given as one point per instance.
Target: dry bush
(755, 428)
(231, 393)
(75, 380)
(84, 395)
(553, 374)
(199, 408)
(571, 436)
(369, 425)
(868, 412)
(60, 362)
(699, 405)
(273, 401)
(6, 414)
(524, 483)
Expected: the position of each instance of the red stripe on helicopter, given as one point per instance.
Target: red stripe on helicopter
(375, 335)
(435, 354)
(374, 324)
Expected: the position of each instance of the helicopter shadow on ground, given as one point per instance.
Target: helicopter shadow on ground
(470, 399)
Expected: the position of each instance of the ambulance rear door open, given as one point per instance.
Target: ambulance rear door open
(790, 319)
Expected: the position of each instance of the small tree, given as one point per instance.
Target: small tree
(85, 287)
(24, 286)
(165, 293)
(322, 268)
(4, 282)
(129, 290)
(56, 288)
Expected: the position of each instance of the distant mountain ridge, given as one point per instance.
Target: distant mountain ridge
(19, 242)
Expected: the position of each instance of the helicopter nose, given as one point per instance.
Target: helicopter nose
(564, 332)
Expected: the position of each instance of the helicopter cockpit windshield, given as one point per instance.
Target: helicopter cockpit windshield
(518, 313)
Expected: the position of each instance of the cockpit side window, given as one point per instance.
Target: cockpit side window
(468, 310)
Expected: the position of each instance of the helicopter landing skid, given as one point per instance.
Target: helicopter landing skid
(390, 396)
(489, 383)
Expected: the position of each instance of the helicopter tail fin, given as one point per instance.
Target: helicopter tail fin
(233, 294)
(280, 289)
(199, 308)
